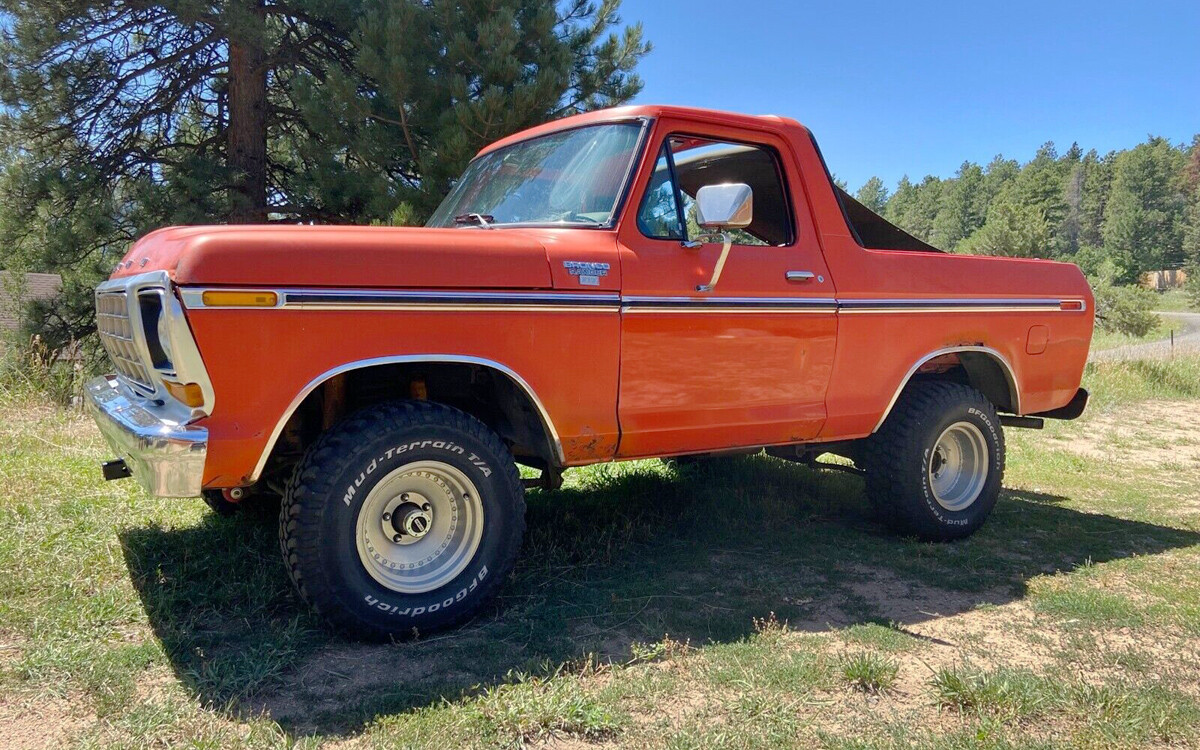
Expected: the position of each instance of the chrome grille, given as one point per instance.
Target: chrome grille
(117, 334)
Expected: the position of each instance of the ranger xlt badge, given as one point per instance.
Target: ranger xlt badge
(589, 273)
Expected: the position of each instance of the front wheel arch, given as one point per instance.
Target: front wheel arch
(467, 383)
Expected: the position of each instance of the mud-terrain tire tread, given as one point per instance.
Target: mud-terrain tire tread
(311, 493)
(894, 464)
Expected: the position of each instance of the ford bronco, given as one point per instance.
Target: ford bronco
(630, 283)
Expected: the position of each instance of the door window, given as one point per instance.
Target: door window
(659, 214)
(685, 164)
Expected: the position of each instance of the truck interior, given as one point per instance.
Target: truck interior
(700, 162)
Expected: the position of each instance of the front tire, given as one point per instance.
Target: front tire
(405, 516)
(935, 467)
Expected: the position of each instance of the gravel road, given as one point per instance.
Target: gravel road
(1187, 339)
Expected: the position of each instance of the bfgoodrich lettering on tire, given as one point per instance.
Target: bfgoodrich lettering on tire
(405, 515)
(935, 467)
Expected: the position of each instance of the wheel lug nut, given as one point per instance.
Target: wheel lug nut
(396, 539)
(425, 506)
(404, 496)
(387, 516)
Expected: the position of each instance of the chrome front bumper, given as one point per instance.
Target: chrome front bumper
(165, 456)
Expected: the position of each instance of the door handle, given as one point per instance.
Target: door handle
(799, 275)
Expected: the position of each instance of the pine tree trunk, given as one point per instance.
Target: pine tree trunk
(247, 132)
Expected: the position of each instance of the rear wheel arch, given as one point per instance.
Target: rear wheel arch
(487, 390)
(983, 368)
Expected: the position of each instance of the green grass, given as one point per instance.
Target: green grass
(1006, 693)
(1118, 714)
(1102, 339)
(870, 672)
(746, 604)
(1174, 300)
(1114, 383)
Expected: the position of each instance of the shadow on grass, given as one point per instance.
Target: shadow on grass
(625, 555)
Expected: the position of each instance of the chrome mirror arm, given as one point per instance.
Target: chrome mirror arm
(724, 207)
(726, 244)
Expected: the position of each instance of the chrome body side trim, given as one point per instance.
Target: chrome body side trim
(166, 457)
(387, 299)
(309, 299)
(556, 443)
(571, 301)
(1010, 376)
(672, 304)
(953, 304)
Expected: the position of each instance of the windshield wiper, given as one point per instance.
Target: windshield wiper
(483, 220)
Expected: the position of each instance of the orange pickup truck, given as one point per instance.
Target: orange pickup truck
(631, 283)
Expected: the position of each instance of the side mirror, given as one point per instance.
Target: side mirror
(722, 207)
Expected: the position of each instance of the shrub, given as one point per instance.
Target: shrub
(32, 366)
(1124, 309)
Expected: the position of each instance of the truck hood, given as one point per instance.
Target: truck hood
(342, 256)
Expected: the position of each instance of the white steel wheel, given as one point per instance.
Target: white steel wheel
(419, 527)
(958, 466)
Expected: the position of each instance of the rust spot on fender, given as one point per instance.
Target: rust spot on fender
(589, 444)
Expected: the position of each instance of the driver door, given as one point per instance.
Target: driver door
(747, 363)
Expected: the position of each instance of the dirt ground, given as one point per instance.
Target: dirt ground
(1161, 433)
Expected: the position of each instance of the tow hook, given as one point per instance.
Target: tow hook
(115, 469)
(224, 502)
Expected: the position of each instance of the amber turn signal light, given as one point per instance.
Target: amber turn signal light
(186, 393)
(1071, 304)
(238, 298)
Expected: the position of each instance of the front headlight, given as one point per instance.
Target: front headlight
(164, 338)
(155, 327)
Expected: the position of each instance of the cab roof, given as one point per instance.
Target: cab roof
(613, 114)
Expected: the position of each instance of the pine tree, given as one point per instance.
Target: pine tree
(1097, 183)
(130, 91)
(998, 173)
(432, 83)
(1040, 185)
(962, 208)
(1143, 220)
(873, 195)
(1013, 228)
(1072, 225)
(913, 208)
(1191, 227)
(900, 201)
(132, 115)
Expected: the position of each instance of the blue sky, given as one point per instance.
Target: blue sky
(915, 88)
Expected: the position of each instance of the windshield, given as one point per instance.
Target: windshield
(571, 177)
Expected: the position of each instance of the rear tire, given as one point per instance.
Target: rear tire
(403, 517)
(935, 467)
